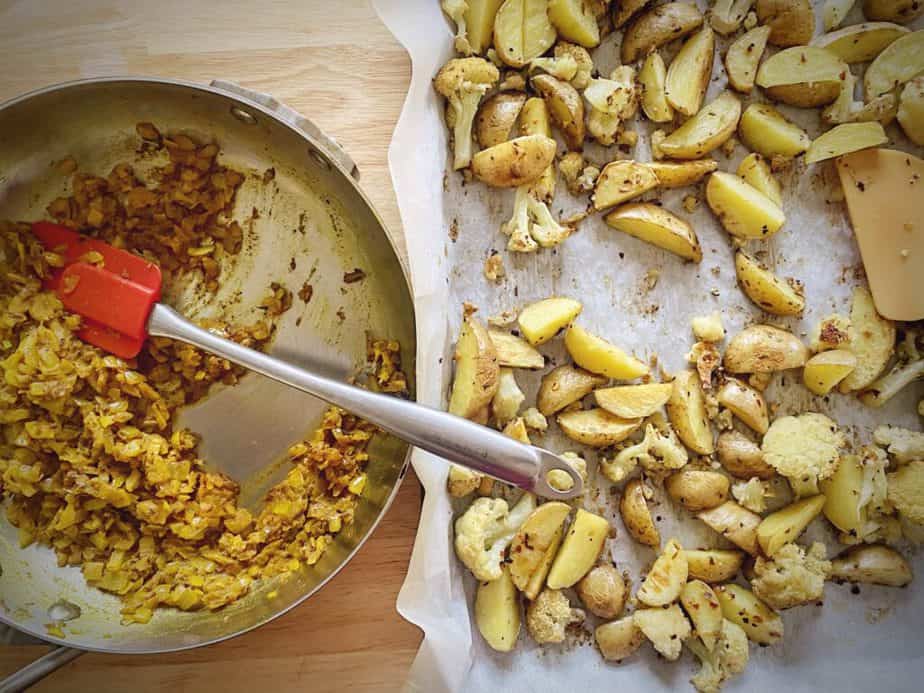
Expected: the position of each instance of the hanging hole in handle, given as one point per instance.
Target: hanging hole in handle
(245, 117)
(557, 478)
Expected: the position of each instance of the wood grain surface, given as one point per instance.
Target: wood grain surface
(337, 64)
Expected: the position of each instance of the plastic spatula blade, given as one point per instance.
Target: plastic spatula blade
(884, 191)
(114, 299)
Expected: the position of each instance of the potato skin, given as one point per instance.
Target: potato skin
(566, 107)
(603, 591)
(709, 129)
(900, 11)
(746, 403)
(741, 457)
(515, 162)
(805, 95)
(564, 385)
(774, 295)
(635, 514)
(618, 639)
(497, 116)
(657, 26)
(873, 564)
(477, 372)
(791, 22)
(696, 489)
(764, 349)
(686, 410)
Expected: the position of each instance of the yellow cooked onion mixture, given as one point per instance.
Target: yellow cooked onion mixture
(90, 462)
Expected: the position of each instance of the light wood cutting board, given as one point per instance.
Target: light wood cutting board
(337, 64)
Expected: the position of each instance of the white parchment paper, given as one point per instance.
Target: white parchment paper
(857, 642)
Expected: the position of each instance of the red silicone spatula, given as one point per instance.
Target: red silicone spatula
(118, 294)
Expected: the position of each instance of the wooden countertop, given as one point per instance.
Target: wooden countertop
(337, 63)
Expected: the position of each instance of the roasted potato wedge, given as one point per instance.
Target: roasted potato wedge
(824, 371)
(686, 410)
(533, 540)
(766, 131)
(735, 523)
(620, 181)
(899, 62)
(803, 76)
(565, 385)
(633, 508)
(791, 22)
(534, 120)
(497, 612)
(742, 457)
(596, 428)
(566, 108)
(834, 12)
(652, 77)
(679, 174)
(634, 401)
(666, 578)
(872, 341)
(756, 172)
(702, 606)
(515, 162)
(742, 209)
(624, 11)
(714, 565)
(785, 525)
(690, 71)
(579, 551)
(537, 581)
(845, 138)
(740, 606)
(477, 370)
(575, 21)
(597, 355)
(515, 352)
(542, 320)
(522, 31)
(746, 403)
(707, 130)
(497, 116)
(654, 224)
(657, 26)
(603, 591)
(873, 564)
(843, 491)
(697, 489)
(860, 43)
(618, 640)
(911, 110)
(666, 628)
(766, 290)
(764, 349)
(744, 56)
(479, 23)
(901, 11)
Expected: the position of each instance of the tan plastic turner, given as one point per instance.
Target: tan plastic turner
(884, 190)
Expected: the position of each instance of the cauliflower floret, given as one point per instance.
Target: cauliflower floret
(727, 659)
(878, 523)
(708, 328)
(707, 358)
(792, 577)
(485, 531)
(564, 67)
(656, 452)
(804, 448)
(508, 398)
(462, 481)
(665, 628)
(532, 224)
(887, 386)
(582, 59)
(549, 615)
(752, 494)
(463, 81)
(560, 480)
(571, 165)
(612, 101)
(456, 10)
(906, 491)
(904, 445)
(534, 419)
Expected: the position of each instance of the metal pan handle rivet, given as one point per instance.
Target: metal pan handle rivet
(243, 116)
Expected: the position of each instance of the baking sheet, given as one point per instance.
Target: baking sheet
(857, 642)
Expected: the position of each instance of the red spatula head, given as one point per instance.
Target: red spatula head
(115, 297)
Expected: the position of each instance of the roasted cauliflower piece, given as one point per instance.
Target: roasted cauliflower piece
(902, 444)
(549, 615)
(484, 532)
(804, 448)
(728, 658)
(656, 452)
(463, 82)
(792, 577)
(532, 225)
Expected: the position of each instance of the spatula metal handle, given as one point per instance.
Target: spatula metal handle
(450, 437)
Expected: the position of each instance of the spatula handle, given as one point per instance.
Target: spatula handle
(450, 437)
